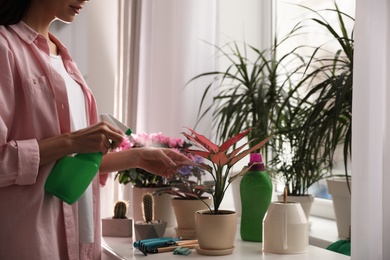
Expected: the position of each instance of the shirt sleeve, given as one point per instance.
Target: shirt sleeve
(19, 162)
(19, 159)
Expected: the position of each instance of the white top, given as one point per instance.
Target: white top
(78, 119)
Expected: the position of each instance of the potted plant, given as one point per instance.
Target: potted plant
(188, 196)
(216, 227)
(326, 122)
(251, 93)
(146, 182)
(119, 225)
(297, 168)
(149, 227)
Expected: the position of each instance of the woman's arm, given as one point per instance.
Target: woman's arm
(160, 161)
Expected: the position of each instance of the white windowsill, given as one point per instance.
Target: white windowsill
(323, 232)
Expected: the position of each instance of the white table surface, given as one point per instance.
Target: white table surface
(115, 248)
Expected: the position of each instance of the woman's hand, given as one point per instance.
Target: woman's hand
(97, 138)
(161, 161)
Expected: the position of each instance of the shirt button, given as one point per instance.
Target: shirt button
(71, 71)
(34, 81)
(62, 105)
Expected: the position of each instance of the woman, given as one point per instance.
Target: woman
(47, 112)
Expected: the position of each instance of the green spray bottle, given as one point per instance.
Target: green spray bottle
(256, 194)
(72, 175)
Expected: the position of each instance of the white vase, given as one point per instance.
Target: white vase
(341, 197)
(162, 206)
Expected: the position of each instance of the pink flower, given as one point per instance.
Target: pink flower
(125, 145)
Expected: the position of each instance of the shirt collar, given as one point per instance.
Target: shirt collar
(29, 35)
(24, 32)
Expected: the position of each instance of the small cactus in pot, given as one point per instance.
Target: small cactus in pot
(118, 225)
(120, 210)
(149, 228)
(148, 208)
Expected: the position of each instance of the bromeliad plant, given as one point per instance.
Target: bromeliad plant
(222, 159)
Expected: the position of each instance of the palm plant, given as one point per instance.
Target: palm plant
(326, 117)
(299, 167)
(250, 93)
(320, 120)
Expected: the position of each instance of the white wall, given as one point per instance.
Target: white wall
(92, 41)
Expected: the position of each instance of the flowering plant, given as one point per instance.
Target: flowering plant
(222, 160)
(141, 178)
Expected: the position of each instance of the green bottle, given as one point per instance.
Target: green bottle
(256, 193)
(71, 176)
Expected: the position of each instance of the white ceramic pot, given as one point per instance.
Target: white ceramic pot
(285, 229)
(341, 197)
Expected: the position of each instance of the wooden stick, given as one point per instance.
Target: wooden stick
(285, 195)
(186, 242)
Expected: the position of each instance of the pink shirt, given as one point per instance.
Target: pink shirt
(34, 106)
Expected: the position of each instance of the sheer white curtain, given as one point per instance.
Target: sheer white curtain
(371, 128)
(162, 45)
(172, 50)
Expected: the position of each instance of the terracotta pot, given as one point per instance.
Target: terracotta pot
(162, 206)
(185, 215)
(216, 232)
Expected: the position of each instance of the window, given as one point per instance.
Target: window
(288, 14)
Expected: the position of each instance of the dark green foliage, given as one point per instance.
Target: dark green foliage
(250, 93)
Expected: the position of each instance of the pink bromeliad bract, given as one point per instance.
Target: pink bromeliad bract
(222, 159)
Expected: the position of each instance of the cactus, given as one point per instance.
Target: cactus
(148, 207)
(120, 210)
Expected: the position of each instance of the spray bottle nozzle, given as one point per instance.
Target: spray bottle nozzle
(115, 122)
